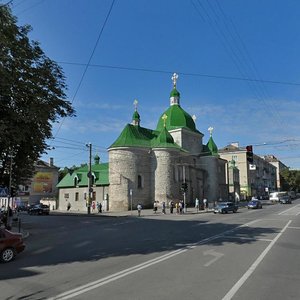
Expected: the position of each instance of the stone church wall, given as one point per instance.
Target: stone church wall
(125, 166)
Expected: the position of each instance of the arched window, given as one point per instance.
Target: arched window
(140, 182)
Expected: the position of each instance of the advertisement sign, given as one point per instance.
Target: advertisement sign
(42, 182)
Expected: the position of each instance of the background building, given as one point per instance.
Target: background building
(256, 178)
(279, 167)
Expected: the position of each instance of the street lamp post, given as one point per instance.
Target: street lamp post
(90, 190)
(184, 191)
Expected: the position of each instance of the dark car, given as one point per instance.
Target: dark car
(225, 207)
(255, 203)
(10, 244)
(39, 209)
(285, 200)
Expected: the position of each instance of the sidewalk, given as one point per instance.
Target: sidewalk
(133, 213)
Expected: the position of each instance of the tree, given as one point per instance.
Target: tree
(290, 180)
(32, 99)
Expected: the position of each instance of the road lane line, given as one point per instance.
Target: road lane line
(45, 249)
(95, 284)
(102, 281)
(291, 208)
(252, 268)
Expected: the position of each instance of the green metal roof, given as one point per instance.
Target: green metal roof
(177, 118)
(136, 136)
(212, 147)
(100, 171)
(164, 140)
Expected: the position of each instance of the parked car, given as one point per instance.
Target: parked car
(275, 196)
(225, 207)
(39, 209)
(285, 200)
(10, 245)
(254, 203)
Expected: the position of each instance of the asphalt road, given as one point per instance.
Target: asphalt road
(253, 254)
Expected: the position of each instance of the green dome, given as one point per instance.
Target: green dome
(176, 118)
(174, 93)
(135, 116)
(212, 146)
(97, 159)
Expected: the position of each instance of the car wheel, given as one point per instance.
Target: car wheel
(7, 255)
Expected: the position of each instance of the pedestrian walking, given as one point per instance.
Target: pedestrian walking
(197, 204)
(181, 207)
(171, 207)
(155, 207)
(99, 207)
(164, 208)
(139, 209)
(177, 207)
(205, 202)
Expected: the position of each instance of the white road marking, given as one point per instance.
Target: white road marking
(217, 255)
(102, 281)
(247, 238)
(252, 268)
(82, 244)
(42, 250)
(95, 284)
(286, 212)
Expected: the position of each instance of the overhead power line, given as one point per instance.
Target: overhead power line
(181, 73)
(89, 60)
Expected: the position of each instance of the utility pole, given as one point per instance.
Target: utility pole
(90, 189)
(184, 191)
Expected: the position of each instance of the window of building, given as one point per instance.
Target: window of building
(235, 158)
(66, 196)
(76, 196)
(94, 196)
(140, 182)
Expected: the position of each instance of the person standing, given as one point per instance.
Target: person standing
(155, 207)
(164, 208)
(9, 218)
(139, 209)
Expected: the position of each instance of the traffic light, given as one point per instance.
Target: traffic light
(249, 152)
(184, 187)
(13, 192)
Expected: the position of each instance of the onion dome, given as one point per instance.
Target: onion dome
(136, 117)
(96, 159)
(176, 116)
(212, 147)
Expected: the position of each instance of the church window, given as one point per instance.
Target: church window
(140, 182)
(76, 196)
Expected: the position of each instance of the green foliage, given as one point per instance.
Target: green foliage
(290, 180)
(32, 98)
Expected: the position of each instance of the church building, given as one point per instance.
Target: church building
(169, 163)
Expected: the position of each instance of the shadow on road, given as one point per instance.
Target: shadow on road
(58, 240)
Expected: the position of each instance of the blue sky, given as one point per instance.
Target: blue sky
(213, 45)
